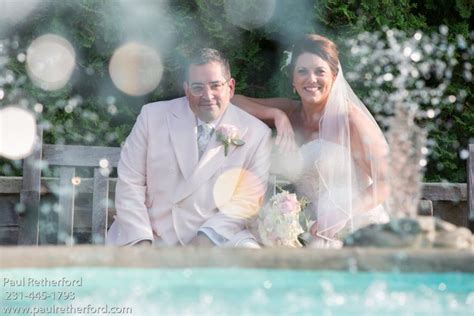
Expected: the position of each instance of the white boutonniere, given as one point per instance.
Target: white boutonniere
(228, 134)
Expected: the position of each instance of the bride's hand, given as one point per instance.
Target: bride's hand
(314, 229)
(285, 136)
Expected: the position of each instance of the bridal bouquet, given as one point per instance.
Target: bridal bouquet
(278, 221)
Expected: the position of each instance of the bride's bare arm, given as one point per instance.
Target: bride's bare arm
(370, 151)
(274, 111)
(263, 108)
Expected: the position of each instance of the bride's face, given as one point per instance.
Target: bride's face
(312, 79)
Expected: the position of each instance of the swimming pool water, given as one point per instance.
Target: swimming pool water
(233, 291)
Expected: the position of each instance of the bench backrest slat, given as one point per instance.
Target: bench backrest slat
(30, 196)
(80, 156)
(66, 205)
(99, 207)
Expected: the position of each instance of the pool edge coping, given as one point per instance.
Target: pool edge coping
(349, 259)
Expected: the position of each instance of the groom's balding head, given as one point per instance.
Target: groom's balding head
(206, 56)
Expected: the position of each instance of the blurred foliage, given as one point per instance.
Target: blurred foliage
(103, 115)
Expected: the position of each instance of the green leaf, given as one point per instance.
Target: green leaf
(238, 142)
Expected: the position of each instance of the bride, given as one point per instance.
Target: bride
(343, 155)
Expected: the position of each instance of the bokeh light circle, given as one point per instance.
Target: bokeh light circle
(136, 69)
(104, 163)
(17, 132)
(15, 11)
(227, 185)
(50, 61)
(249, 14)
(76, 181)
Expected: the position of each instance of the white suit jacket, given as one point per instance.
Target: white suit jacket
(165, 194)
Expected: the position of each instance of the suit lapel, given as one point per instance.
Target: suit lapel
(182, 130)
(213, 157)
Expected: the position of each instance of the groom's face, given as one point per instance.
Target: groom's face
(208, 90)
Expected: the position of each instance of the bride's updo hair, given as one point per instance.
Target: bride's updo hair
(318, 45)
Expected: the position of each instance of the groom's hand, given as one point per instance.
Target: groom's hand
(201, 241)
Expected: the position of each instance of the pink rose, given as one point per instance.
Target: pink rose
(289, 204)
(228, 132)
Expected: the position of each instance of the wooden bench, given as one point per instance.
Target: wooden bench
(67, 158)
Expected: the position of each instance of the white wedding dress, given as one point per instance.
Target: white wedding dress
(307, 169)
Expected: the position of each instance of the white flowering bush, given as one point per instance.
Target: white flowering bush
(409, 84)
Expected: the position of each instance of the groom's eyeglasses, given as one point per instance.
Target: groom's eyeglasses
(197, 89)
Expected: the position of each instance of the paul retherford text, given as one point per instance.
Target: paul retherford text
(49, 282)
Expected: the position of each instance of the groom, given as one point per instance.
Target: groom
(193, 171)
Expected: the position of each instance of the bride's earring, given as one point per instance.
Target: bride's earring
(294, 90)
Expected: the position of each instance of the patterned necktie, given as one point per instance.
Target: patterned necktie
(204, 135)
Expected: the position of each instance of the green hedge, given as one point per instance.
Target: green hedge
(96, 28)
